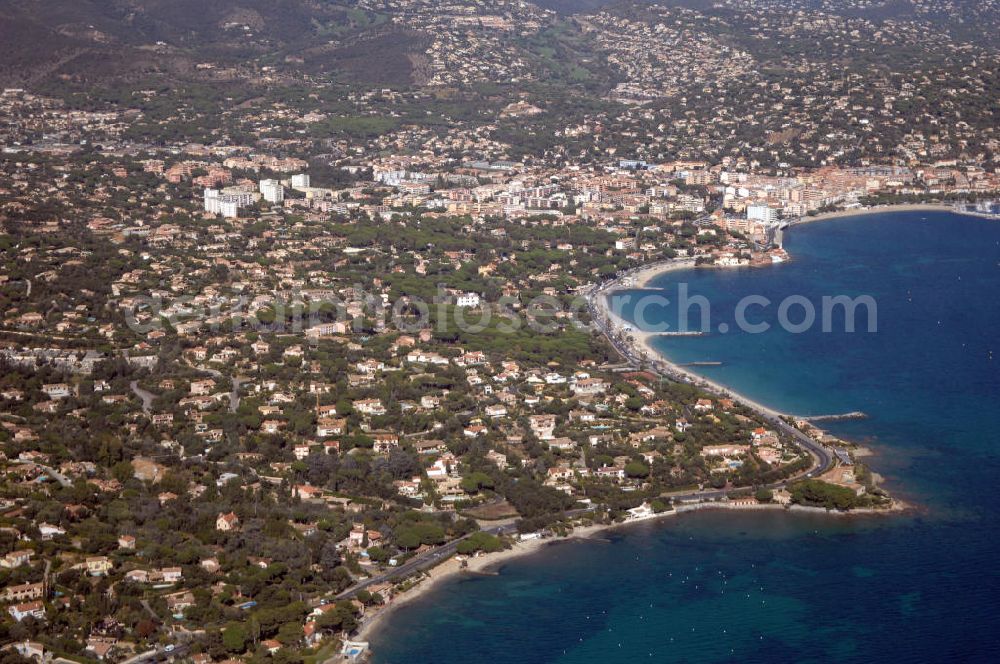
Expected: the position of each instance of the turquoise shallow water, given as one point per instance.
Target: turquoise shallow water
(713, 586)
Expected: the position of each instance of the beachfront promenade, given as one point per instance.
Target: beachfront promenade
(641, 357)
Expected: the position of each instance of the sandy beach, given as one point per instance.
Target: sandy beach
(880, 209)
(485, 564)
(642, 276)
(641, 343)
(644, 341)
(479, 565)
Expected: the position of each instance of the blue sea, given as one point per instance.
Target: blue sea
(776, 587)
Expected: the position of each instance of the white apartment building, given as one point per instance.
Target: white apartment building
(227, 202)
(762, 212)
(272, 191)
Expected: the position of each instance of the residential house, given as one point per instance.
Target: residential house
(201, 388)
(24, 592)
(98, 565)
(34, 609)
(172, 574)
(589, 387)
(307, 492)
(328, 426)
(177, 602)
(497, 458)
(16, 558)
(227, 522)
(542, 426)
(57, 390)
(369, 407)
(385, 442)
(724, 450)
(496, 411)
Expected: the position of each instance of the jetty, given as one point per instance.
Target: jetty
(853, 415)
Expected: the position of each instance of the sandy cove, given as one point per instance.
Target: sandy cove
(440, 573)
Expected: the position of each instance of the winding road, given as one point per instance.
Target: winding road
(234, 394)
(145, 395)
(57, 476)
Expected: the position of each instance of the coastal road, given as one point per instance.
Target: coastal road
(159, 655)
(435, 556)
(418, 563)
(438, 555)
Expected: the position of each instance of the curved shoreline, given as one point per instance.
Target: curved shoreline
(640, 340)
(485, 565)
(447, 570)
(890, 208)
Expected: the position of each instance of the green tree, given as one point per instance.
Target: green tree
(234, 637)
(636, 469)
(822, 494)
(476, 481)
(480, 541)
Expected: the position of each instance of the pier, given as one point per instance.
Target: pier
(853, 415)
